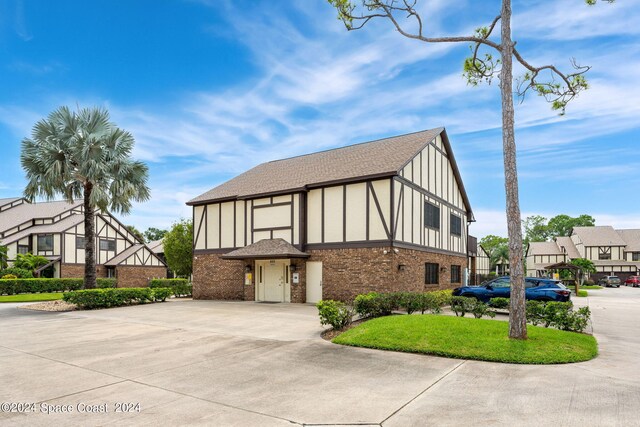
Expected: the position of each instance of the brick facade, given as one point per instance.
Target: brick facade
(71, 271)
(345, 273)
(130, 276)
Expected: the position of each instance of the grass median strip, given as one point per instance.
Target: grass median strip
(45, 296)
(465, 338)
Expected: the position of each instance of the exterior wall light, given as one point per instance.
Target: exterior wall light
(401, 267)
(247, 268)
(293, 267)
(443, 269)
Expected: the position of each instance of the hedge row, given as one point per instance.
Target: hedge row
(376, 304)
(180, 287)
(23, 286)
(110, 297)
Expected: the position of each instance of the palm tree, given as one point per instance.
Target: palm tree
(500, 255)
(84, 155)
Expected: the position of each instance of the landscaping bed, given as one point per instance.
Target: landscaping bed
(466, 338)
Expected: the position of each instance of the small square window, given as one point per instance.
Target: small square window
(45, 242)
(635, 256)
(80, 242)
(431, 271)
(23, 249)
(107, 245)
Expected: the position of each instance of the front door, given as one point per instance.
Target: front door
(272, 282)
(314, 281)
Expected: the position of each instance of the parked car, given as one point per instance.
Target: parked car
(609, 281)
(536, 288)
(633, 281)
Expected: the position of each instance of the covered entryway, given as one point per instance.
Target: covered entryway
(273, 271)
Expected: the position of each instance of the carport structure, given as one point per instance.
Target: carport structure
(574, 269)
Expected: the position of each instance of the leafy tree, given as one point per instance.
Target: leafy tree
(561, 225)
(133, 230)
(152, 234)
(178, 247)
(586, 267)
(84, 155)
(547, 81)
(30, 261)
(497, 248)
(3, 257)
(535, 229)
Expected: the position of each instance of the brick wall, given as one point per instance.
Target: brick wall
(71, 271)
(346, 273)
(138, 276)
(216, 278)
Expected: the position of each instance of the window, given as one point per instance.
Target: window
(111, 272)
(455, 274)
(80, 242)
(456, 225)
(107, 245)
(604, 253)
(431, 216)
(635, 256)
(45, 242)
(501, 283)
(23, 249)
(431, 273)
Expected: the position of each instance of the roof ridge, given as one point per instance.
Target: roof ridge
(354, 145)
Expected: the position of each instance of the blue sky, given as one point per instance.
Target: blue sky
(211, 88)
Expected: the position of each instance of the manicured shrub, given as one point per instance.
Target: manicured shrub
(109, 297)
(411, 302)
(9, 276)
(167, 283)
(442, 298)
(334, 313)
(30, 286)
(499, 303)
(21, 273)
(558, 315)
(182, 290)
(103, 283)
(366, 305)
(464, 305)
(589, 282)
(161, 294)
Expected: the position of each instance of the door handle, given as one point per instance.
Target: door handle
(320, 283)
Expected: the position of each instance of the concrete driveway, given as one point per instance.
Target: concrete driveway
(232, 363)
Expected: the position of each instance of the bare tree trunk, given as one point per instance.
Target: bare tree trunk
(517, 310)
(89, 237)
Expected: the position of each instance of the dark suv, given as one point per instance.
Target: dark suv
(536, 288)
(610, 281)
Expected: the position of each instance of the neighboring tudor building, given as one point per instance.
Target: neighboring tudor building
(55, 230)
(385, 215)
(613, 252)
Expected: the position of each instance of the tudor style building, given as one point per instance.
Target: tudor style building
(613, 252)
(55, 230)
(385, 215)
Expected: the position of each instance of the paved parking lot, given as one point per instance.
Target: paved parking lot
(237, 363)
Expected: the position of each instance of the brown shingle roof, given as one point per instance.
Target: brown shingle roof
(157, 247)
(383, 157)
(28, 211)
(599, 235)
(543, 248)
(57, 227)
(632, 239)
(267, 248)
(568, 244)
(124, 255)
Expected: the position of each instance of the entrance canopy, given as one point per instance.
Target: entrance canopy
(267, 249)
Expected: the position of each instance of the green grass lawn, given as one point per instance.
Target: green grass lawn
(582, 293)
(468, 338)
(31, 297)
(573, 288)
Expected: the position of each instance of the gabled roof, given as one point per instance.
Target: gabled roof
(379, 158)
(543, 248)
(267, 248)
(8, 200)
(599, 235)
(632, 238)
(116, 260)
(568, 244)
(57, 227)
(29, 211)
(157, 247)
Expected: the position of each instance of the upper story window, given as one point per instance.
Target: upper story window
(635, 256)
(107, 245)
(604, 253)
(80, 242)
(456, 225)
(431, 216)
(23, 249)
(45, 242)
